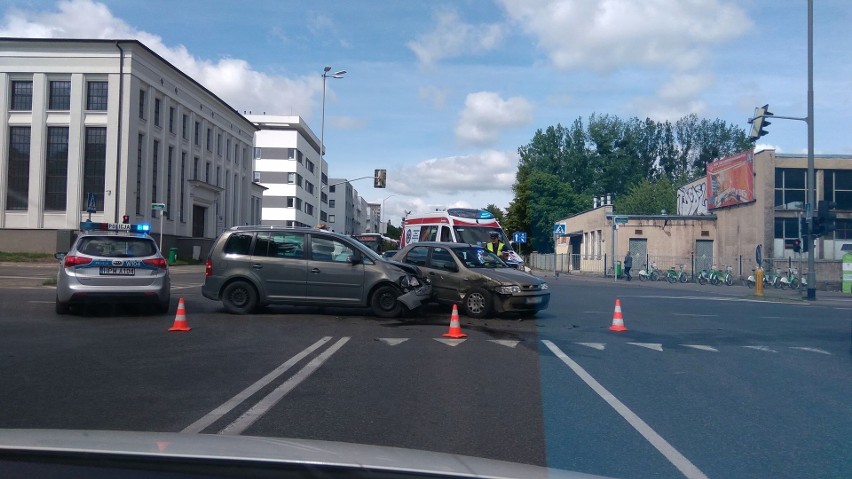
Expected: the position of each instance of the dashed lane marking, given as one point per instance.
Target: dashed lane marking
(696, 315)
(598, 346)
(654, 346)
(813, 350)
(762, 348)
(701, 347)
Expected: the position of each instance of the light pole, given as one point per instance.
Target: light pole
(382, 213)
(325, 74)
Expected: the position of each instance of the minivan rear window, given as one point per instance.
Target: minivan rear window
(238, 243)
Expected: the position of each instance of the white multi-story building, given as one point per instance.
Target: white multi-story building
(113, 120)
(288, 163)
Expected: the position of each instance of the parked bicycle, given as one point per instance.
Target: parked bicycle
(728, 277)
(673, 276)
(768, 279)
(649, 273)
(790, 279)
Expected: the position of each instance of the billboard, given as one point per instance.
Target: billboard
(730, 181)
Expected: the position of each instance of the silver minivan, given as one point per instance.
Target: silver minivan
(250, 266)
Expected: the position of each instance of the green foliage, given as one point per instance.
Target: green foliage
(648, 198)
(610, 155)
(393, 232)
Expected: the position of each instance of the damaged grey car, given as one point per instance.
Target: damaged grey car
(251, 266)
(476, 280)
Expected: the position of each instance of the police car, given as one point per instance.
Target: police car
(112, 262)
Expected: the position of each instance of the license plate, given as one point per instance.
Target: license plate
(111, 271)
(534, 300)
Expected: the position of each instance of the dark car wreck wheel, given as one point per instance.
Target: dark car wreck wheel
(384, 302)
(477, 303)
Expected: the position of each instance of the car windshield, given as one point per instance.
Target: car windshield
(476, 257)
(116, 246)
(479, 235)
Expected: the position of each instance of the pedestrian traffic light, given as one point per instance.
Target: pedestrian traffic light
(803, 227)
(797, 246)
(125, 219)
(758, 122)
(827, 217)
(380, 178)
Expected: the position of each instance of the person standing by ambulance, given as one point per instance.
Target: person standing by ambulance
(496, 246)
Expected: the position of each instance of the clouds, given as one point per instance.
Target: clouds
(234, 80)
(606, 35)
(452, 38)
(486, 115)
(486, 171)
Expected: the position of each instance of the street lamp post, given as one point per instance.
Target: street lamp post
(382, 213)
(325, 74)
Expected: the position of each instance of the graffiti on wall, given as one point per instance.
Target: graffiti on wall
(692, 199)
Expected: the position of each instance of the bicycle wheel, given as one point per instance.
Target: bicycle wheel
(794, 283)
(714, 280)
(670, 277)
(683, 278)
(750, 283)
(702, 280)
(729, 279)
(655, 276)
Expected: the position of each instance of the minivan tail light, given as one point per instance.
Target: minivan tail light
(71, 261)
(208, 267)
(156, 262)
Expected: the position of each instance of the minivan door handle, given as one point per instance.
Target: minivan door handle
(256, 266)
(315, 270)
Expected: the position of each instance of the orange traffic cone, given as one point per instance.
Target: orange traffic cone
(617, 319)
(455, 327)
(180, 318)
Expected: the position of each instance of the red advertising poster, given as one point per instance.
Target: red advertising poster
(730, 181)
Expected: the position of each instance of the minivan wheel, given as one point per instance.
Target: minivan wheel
(477, 303)
(62, 308)
(384, 302)
(239, 297)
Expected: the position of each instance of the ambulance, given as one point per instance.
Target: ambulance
(457, 225)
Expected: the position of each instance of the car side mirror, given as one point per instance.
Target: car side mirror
(355, 258)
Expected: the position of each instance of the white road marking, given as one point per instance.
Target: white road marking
(813, 350)
(264, 405)
(504, 342)
(683, 464)
(598, 346)
(701, 347)
(393, 341)
(230, 404)
(450, 341)
(696, 315)
(654, 346)
(762, 348)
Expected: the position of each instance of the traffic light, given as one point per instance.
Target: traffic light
(803, 227)
(758, 122)
(380, 178)
(805, 242)
(827, 217)
(797, 246)
(125, 219)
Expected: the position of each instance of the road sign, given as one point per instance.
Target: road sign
(559, 229)
(519, 237)
(620, 220)
(158, 206)
(91, 203)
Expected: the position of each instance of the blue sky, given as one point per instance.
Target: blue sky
(442, 93)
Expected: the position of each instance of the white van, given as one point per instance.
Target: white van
(456, 225)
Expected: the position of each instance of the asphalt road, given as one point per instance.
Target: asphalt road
(707, 381)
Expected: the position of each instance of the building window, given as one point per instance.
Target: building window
(256, 152)
(331, 218)
(94, 165)
(209, 139)
(219, 144)
(838, 188)
(331, 203)
(155, 158)
(195, 164)
(169, 166)
(60, 95)
(56, 169)
(309, 209)
(197, 133)
(218, 175)
(291, 202)
(310, 165)
(291, 153)
(157, 103)
(790, 188)
(207, 172)
(96, 97)
(843, 230)
(309, 187)
(182, 185)
(22, 96)
(171, 119)
(291, 178)
(139, 148)
(228, 149)
(786, 228)
(18, 175)
(332, 188)
(184, 127)
(141, 104)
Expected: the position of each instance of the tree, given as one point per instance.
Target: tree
(393, 232)
(550, 200)
(648, 198)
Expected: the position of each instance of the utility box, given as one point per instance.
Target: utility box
(846, 273)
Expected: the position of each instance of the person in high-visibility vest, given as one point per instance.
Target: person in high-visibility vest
(496, 246)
